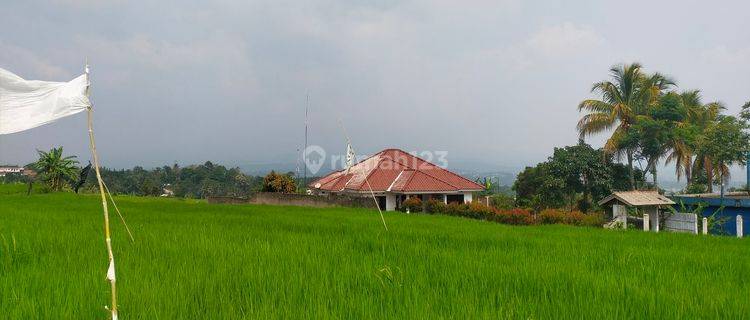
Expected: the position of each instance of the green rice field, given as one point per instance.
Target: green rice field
(192, 260)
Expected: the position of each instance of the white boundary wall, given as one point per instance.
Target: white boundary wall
(682, 222)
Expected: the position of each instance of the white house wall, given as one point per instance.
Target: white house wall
(390, 202)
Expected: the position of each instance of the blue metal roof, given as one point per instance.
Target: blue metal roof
(713, 201)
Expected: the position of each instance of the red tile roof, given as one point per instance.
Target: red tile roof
(395, 170)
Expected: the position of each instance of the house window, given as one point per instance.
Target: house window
(381, 202)
(455, 198)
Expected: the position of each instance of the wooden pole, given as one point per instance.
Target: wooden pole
(92, 144)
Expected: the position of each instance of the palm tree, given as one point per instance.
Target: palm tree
(685, 153)
(624, 99)
(55, 169)
(654, 88)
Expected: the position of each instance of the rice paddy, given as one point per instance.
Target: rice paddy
(191, 260)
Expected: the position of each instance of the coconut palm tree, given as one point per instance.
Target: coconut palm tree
(55, 169)
(616, 110)
(623, 100)
(654, 90)
(698, 117)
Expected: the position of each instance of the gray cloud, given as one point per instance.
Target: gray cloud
(496, 81)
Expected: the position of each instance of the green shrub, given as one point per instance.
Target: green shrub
(502, 202)
(413, 204)
(457, 209)
(593, 220)
(435, 206)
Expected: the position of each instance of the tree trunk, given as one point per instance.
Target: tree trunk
(709, 176)
(689, 171)
(630, 168)
(651, 168)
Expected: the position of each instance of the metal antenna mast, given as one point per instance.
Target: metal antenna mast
(304, 155)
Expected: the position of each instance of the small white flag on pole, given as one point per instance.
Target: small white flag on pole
(350, 155)
(27, 104)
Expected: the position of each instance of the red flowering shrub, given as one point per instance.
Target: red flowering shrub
(574, 218)
(478, 210)
(551, 216)
(414, 204)
(514, 216)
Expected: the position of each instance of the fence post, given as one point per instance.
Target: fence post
(646, 226)
(740, 231)
(695, 223)
(705, 225)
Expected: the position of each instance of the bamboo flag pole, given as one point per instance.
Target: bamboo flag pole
(372, 193)
(92, 144)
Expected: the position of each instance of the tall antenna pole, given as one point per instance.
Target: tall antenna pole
(304, 155)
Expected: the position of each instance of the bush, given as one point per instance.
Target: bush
(593, 220)
(502, 202)
(574, 218)
(413, 204)
(514, 216)
(436, 206)
(274, 182)
(551, 216)
(478, 210)
(457, 209)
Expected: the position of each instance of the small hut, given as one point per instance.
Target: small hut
(647, 202)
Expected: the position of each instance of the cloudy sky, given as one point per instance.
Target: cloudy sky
(491, 81)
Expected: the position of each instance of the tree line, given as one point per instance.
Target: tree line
(57, 172)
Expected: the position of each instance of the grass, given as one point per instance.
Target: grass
(191, 260)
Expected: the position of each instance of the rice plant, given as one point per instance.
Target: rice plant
(191, 260)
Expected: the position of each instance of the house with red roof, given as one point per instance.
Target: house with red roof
(394, 175)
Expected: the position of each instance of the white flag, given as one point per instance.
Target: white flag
(27, 104)
(350, 156)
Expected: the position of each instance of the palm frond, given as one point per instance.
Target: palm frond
(593, 123)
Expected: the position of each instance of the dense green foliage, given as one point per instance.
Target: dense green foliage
(502, 201)
(191, 260)
(196, 181)
(283, 183)
(651, 121)
(727, 143)
(574, 177)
